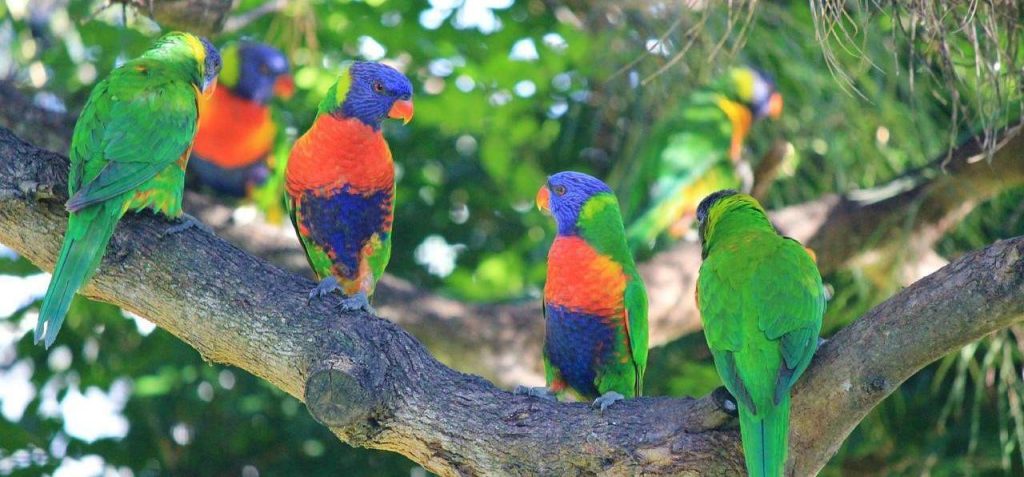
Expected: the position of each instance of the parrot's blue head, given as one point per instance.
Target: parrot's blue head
(371, 92)
(257, 72)
(756, 90)
(211, 65)
(564, 196)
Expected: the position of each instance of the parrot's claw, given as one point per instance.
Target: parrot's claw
(537, 392)
(821, 341)
(725, 401)
(324, 288)
(607, 399)
(357, 302)
(187, 222)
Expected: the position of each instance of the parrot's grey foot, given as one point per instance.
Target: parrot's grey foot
(357, 302)
(726, 401)
(537, 392)
(324, 288)
(607, 399)
(187, 222)
(821, 341)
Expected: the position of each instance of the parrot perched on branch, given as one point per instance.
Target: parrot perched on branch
(761, 300)
(128, 152)
(595, 303)
(696, 151)
(340, 181)
(236, 131)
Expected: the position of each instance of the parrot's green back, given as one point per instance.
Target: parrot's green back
(686, 158)
(128, 152)
(761, 299)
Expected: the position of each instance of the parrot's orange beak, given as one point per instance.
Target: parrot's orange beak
(775, 106)
(544, 199)
(208, 91)
(284, 87)
(402, 109)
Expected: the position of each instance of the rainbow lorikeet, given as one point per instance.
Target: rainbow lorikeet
(761, 299)
(696, 152)
(595, 304)
(236, 131)
(128, 152)
(340, 181)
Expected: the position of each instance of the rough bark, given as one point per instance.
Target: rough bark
(375, 386)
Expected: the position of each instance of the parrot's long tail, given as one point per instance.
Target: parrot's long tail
(765, 440)
(88, 233)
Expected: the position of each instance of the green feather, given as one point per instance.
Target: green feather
(761, 299)
(137, 125)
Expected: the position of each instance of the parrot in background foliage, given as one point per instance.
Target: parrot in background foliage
(128, 152)
(340, 181)
(761, 300)
(236, 131)
(595, 303)
(695, 151)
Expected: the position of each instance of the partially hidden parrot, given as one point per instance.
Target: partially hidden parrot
(236, 130)
(595, 303)
(761, 300)
(129, 151)
(340, 181)
(696, 151)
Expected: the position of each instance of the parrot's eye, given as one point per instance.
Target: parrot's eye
(378, 87)
(559, 190)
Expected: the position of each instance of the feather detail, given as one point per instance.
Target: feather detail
(337, 153)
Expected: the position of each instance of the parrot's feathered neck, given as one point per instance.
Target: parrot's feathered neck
(722, 212)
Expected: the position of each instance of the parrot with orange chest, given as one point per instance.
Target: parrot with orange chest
(595, 303)
(340, 181)
(236, 131)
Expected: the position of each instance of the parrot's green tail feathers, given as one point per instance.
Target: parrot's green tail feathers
(83, 248)
(765, 440)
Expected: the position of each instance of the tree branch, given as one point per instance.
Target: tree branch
(202, 17)
(375, 386)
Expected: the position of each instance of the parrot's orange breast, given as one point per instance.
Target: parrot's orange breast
(583, 280)
(233, 132)
(340, 153)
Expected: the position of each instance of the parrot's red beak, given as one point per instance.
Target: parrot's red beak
(544, 199)
(284, 87)
(401, 109)
(775, 106)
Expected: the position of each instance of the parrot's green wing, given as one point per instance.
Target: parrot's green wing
(788, 288)
(636, 327)
(722, 318)
(139, 137)
(601, 227)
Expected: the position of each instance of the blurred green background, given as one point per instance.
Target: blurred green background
(508, 91)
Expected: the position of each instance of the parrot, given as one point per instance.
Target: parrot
(595, 303)
(696, 152)
(236, 131)
(128, 151)
(340, 181)
(761, 299)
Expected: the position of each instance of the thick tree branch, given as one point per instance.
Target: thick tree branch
(375, 386)
(203, 17)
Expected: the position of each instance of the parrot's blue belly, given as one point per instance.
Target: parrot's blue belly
(577, 344)
(343, 222)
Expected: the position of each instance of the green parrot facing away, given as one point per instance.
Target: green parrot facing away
(761, 299)
(695, 152)
(128, 152)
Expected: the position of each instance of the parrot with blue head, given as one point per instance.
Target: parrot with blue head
(340, 181)
(236, 128)
(697, 151)
(128, 152)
